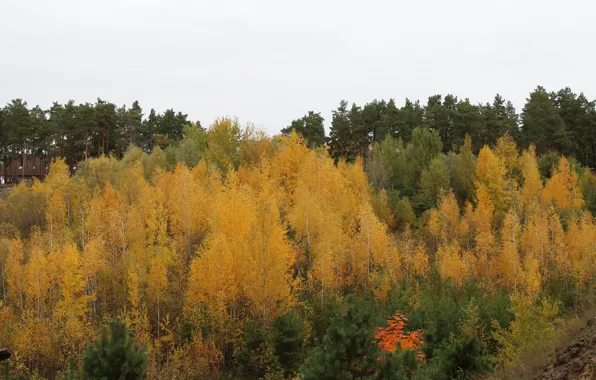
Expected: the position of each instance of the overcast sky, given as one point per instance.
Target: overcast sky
(269, 62)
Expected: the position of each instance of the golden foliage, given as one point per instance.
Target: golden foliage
(562, 187)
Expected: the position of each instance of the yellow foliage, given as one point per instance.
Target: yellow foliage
(580, 240)
(507, 266)
(246, 254)
(444, 221)
(269, 259)
(15, 273)
(506, 151)
(37, 280)
(451, 265)
(532, 182)
(288, 161)
(187, 205)
(374, 251)
(533, 277)
(421, 262)
(562, 187)
(490, 172)
(483, 217)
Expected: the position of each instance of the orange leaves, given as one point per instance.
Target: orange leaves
(392, 337)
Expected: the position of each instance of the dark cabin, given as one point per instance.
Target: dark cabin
(26, 167)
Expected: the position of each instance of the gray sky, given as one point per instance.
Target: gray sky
(269, 62)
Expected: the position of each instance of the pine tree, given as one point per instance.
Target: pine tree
(542, 124)
(340, 134)
(115, 355)
(310, 127)
(346, 351)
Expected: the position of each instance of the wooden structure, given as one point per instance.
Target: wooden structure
(26, 167)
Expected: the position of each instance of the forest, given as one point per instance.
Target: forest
(424, 242)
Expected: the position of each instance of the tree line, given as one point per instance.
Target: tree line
(561, 121)
(79, 131)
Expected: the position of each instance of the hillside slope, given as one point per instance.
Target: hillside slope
(576, 361)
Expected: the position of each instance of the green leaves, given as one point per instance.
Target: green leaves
(542, 124)
(310, 127)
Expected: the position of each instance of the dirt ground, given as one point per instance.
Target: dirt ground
(576, 361)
